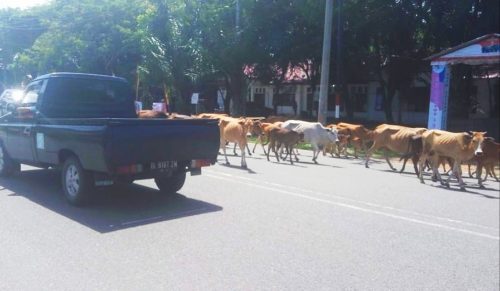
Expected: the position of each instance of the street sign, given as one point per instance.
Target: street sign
(194, 98)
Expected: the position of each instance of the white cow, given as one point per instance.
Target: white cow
(314, 133)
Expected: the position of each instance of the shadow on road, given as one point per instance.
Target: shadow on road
(113, 208)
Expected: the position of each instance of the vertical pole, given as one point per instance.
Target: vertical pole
(339, 87)
(325, 63)
(237, 17)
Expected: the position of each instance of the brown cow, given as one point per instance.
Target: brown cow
(234, 130)
(265, 127)
(279, 137)
(151, 114)
(211, 115)
(460, 147)
(488, 160)
(392, 137)
(275, 118)
(357, 131)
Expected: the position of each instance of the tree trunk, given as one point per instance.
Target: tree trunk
(227, 100)
(238, 87)
(388, 95)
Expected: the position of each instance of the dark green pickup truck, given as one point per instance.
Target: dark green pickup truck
(87, 125)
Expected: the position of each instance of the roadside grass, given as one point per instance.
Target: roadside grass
(378, 154)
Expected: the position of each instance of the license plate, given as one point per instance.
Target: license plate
(163, 165)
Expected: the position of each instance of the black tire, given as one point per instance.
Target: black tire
(7, 165)
(170, 185)
(77, 183)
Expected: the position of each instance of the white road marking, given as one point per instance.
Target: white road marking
(357, 201)
(437, 225)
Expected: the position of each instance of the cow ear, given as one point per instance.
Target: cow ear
(467, 138)
(484, 133)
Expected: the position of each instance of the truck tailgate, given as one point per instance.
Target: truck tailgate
(146, 140)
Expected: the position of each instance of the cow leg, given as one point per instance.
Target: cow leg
(454, 172)
(363, 145)
(386, 155)
(492, 171)
(290, 149)
(225, 154)
(234, 150)
(315, 150)
(269, 147)
(369, 153)
(257, 141)
(435, 172)
(479, 172)
(471, 175)
(262, 143)
(415, 159)
(285, 150)
(421, 162)
(404, 165)
(248, 149)
(243, 158)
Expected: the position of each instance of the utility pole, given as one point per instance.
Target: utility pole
(325, 63)
(339, 89)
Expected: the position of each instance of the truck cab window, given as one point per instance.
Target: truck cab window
(32, 93)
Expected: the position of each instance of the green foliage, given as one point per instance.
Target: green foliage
(179, 44)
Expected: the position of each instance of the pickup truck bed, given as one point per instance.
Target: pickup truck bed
(103, 144)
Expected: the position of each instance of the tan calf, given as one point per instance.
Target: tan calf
(234, 130)
(281, 137)
(358, 131)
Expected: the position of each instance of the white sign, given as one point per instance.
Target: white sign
(194, 98)
(159, 106)
(337, 111)
(138, 106)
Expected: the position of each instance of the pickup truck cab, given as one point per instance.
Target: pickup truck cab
(87, 126)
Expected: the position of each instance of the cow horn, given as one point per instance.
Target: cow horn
(470, 132)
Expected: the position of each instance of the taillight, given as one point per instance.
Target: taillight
(130, 169)
(200, 163)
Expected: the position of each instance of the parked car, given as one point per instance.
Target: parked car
(87, 126)
(10, 99)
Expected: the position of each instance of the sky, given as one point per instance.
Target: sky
(21, 3)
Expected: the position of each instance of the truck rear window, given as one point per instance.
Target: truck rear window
(87, 98)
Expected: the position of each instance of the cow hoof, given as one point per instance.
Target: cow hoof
(422, 182)
(227, 163)
(462, 189)
(243, 166)
(366, 166)
(482, 187)
(448, 185)
(434, 179)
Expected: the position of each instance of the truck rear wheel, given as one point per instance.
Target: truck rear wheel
(7, 165)
(77, 183)
(170, 185)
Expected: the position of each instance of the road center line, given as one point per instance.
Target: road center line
(437, 225)
(281, 186)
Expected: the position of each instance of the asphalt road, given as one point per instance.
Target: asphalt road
(332, 226)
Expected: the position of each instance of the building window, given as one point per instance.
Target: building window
(259, 97)
(359, 95)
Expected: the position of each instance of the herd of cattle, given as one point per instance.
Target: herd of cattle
(426, 148)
